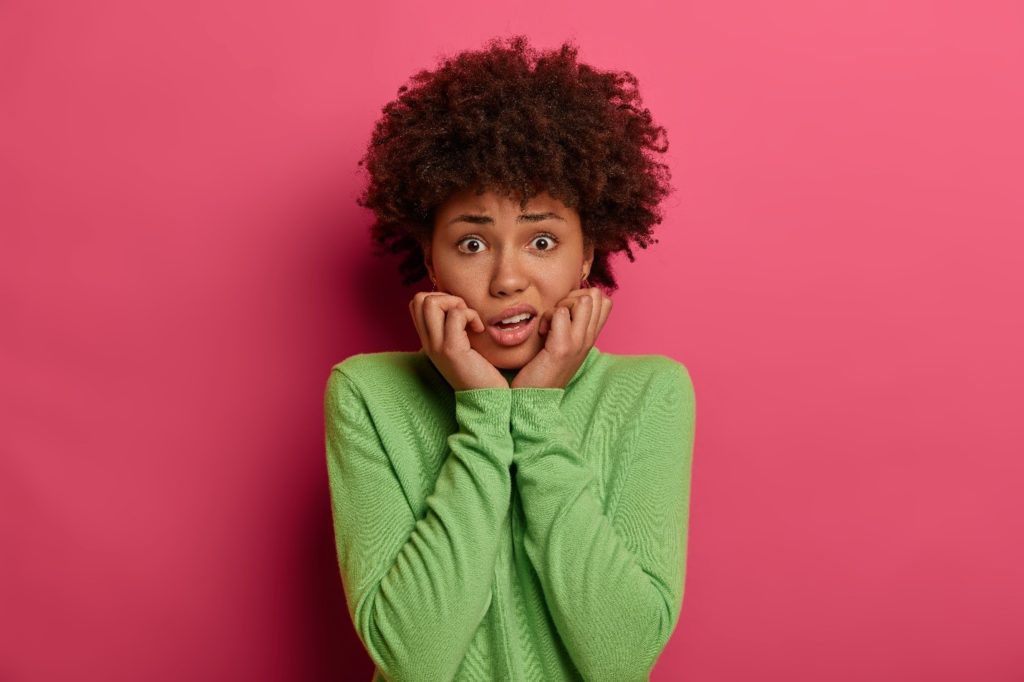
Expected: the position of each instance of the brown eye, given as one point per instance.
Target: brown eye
(473, 245)
(545, 242)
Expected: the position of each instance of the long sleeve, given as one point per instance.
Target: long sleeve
(613, 583)
(417, 589)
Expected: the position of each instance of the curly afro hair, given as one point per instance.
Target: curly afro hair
(517, 122)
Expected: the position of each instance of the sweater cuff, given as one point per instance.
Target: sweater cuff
(484, 410)
(536, 413)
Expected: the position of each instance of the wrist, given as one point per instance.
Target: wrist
(536, 413)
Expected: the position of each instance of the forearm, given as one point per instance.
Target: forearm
(614, 607)
(418, 588)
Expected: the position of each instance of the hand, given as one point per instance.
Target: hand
(571, 328)
(441, 320)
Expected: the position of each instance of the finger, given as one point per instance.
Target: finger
(454, 327)
(606, 308)
(582, 311)
(572, 297)
(602, 315)
(544, 326)
(475, 320)
(561, 322)
(578, 292)
(416, 322)
(416, 310)
(595, 317)
(435, 308)
(433, 318)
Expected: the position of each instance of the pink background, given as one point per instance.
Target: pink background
(182, 261)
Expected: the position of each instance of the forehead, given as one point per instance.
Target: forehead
(468, 201)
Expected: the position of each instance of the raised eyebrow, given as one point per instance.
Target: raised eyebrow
(538, 217)
(522, 218)
(468, 218)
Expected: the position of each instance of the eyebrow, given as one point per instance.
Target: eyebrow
(486, 219)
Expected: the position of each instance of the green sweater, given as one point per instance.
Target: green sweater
(511, 534)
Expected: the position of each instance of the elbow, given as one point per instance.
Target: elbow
(400, 653)
(632, 666)
(637, 662)
(413, 671)
(636, 656)
(670, 606)
(629, 667)
(405, 664)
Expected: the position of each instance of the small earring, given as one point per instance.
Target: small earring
(434, 282)
(586, 284)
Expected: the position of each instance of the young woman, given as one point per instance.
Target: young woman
(509, 502)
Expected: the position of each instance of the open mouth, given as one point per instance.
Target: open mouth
(515, 321)
(514, 330)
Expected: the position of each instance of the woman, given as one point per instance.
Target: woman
(509, 502)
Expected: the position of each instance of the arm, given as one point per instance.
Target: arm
(417, 589)
(614, 584)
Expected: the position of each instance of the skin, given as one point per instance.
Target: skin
(484, 255)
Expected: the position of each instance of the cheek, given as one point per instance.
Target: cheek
(466, 282)
(568, 277)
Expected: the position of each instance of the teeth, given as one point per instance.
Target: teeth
(516, 318)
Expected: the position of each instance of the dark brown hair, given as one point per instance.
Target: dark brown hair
(517, 122)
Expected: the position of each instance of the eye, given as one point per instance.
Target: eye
(473, 244)
(545, 242)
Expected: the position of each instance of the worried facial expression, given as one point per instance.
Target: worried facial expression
(495, 256)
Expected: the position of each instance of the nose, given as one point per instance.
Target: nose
(510, 276)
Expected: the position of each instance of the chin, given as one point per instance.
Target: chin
(515, 357)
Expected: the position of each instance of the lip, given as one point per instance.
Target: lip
(512, 337)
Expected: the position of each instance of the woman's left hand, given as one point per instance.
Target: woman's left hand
(570, 328)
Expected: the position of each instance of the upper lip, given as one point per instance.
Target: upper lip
(514, 310)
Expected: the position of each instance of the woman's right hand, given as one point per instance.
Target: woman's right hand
(441, 321)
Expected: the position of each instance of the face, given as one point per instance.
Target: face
(493, 255)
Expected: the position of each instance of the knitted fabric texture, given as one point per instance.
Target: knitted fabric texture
(531, 534)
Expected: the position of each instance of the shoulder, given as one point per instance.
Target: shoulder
(369, 366)
(652, 372)
(391, 374)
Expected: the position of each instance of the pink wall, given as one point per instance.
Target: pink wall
(182, 261)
